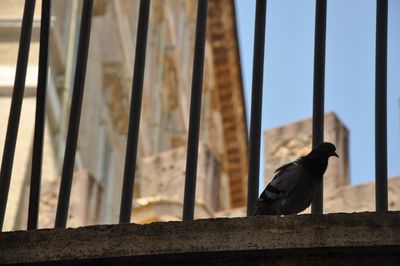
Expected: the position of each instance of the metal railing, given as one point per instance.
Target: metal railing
(195, 107)
(16, 104)
(134, 115)
(37, 153)
(256, 105)
(381, 186)
(75, 115)
(319, 91)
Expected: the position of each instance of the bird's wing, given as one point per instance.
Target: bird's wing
(283, 167)
(284, 182)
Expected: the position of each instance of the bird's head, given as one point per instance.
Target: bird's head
(323, 150)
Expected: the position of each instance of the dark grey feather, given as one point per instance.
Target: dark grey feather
(292, 188)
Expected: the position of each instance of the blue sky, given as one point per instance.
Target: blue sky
(349, 77)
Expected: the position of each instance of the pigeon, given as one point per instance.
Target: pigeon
(292, 188)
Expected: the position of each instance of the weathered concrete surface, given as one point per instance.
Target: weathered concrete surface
(362, 238)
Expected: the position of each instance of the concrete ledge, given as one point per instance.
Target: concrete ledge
(344, 238)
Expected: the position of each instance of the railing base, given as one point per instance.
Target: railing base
(344, 239)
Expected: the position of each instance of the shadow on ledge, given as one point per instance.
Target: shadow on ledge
(331, 239)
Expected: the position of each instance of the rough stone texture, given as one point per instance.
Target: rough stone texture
(361, 198)
(86, 201)
(286, 143)
(347, 239)
(85, 204)
(163, 209)
(232, 213)
(163, 175)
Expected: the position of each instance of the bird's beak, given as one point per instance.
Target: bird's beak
(335, 154)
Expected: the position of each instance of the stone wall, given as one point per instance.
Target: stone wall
(361, 197)
(166, 89)
(162, 178)
(85, 207)
(333, 239)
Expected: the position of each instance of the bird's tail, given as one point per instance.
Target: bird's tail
(262, 208)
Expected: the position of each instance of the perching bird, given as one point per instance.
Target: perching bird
(292, 188)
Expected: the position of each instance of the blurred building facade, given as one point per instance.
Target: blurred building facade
(104, 121)
(10, 23)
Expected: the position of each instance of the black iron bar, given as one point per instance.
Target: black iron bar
(37, 154)
(75, 115)
(319, 88)
(195, 110)
(381, 186)
(134, 114)
(256, 105)
(16, 104)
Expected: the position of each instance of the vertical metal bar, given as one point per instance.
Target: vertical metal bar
(16, 104)
(195, 110)
(75, 115)
(381, 187)
(256, 105)
(34, 196)
(319, 87)
(134, 114)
